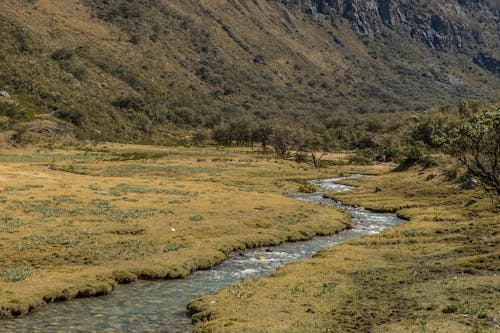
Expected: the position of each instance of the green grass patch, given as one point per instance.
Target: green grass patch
(14, 274)
(26, 187)
(133, 169)
(122, 189)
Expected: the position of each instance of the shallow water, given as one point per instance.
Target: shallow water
(160, 306)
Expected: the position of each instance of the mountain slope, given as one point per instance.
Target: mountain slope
(142, 69)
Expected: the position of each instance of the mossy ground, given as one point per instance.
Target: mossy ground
(436, 273)
(74, 222)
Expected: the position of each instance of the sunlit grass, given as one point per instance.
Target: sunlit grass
(435, 273)
(75, 217)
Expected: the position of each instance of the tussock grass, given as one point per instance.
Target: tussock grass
(74, 221)
(436, 273)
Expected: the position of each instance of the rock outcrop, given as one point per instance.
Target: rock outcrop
(465, 26)
(441, 25)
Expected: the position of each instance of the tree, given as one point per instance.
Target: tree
(313, 144)
(221, 135)
(240, 130)
(262, 133)
(477, 145)
(283, 138)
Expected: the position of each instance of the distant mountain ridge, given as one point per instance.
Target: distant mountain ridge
(143, 69)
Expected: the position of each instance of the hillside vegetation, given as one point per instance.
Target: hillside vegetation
(155, 70)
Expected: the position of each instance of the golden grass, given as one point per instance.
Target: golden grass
(75, 222)
(436, 273)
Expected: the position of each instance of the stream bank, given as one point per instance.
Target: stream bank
(152, 306)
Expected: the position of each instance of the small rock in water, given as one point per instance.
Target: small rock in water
(378, 189)
(269, 250)
(261, 258)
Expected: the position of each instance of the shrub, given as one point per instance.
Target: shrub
(23, 42)
(428, 162)
(75, 117)
(14, 274)
(62, 54)
(411, 156)
(307, 188)
(7, 109)
(200, 136)
(452, 173)
(451, 308)
(301, 157)
(361, 157)
(476, 144)
(129, 102)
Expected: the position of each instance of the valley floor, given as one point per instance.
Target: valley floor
(436, 273)
(75, 222)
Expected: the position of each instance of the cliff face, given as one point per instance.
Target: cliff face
(134, 69)
(441, 25)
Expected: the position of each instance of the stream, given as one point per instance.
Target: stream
(160, 306)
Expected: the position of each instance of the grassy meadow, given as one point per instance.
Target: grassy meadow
(75, 222)
(438, 272)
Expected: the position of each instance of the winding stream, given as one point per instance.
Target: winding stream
(160, 306)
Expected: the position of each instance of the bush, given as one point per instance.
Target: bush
(361, 157)
(14, 274)
(74, 117)
(452, 173)
(411, 156)
(201, 136)
(129, 102)
(301, 157)
(221, 135)
(23, 42)
(307, 188)
(476, 144)
(62, 54)
(7, 109)
(428, 162)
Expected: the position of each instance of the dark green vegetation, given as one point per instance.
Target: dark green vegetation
(165, 71)
(477, 145)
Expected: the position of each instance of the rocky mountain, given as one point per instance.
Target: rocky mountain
(441, 25)
(467, 27)
(151, 69)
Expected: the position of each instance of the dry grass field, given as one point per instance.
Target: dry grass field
(77, 221)
(436, 273)
(74, 222)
